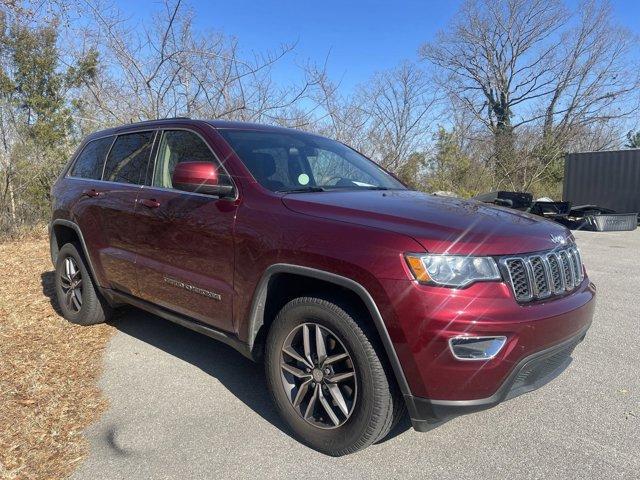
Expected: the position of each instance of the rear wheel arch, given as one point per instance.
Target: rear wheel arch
(62, 232)
(283, 282)
(60, 235)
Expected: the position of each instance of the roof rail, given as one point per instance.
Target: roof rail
(158, 120)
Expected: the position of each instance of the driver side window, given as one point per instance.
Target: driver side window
(179, 146)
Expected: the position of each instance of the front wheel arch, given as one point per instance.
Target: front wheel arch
(273, 292)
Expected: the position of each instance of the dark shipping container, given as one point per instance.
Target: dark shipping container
(609, 179)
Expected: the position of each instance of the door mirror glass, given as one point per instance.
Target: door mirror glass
(199, 177)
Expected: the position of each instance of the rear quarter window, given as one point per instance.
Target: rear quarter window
(90, 161)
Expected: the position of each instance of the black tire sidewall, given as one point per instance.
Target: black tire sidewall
(331, 441)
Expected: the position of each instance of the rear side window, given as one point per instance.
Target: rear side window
(91, 160)
(128, 158)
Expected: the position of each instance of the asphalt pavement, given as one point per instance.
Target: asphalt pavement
(184, 406)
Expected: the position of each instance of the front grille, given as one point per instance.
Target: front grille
(542, 275)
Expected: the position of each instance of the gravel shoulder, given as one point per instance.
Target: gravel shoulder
(184, 406)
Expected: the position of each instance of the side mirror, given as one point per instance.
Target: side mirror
(199, 177)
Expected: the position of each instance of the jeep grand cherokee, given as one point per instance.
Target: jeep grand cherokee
(363, 298)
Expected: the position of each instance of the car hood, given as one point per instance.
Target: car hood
(439, 224)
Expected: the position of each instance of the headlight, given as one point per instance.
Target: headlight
(452, 270)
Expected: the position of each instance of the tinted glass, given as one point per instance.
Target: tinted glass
(284, 161)
(128, 158)
(91, 160)
(181, 146)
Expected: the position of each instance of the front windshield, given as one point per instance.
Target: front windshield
(289, 161)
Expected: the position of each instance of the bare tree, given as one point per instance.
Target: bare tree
(594, 79)
(337, 115)
(170, 69)
(534, 64)
(401, 105)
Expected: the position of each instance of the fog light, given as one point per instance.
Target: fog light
(476, 348)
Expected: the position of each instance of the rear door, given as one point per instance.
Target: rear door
(114, 226)
(185, 239)
(83, 190)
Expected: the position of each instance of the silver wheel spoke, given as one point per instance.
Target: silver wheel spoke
(340, 377)
(302, 392)
(68, 298)
(72, 268)
(74, 300)
(293, 354)
(337, 396)
(78, 297)
(321, 349)
(312, 402)
(296, 372)
(328, 409)
(336, 358)
(306, 343)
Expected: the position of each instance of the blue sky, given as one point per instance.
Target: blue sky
(360, 36)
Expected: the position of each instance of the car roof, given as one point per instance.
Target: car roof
(217, 124)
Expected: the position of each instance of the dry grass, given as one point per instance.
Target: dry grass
(48, 369)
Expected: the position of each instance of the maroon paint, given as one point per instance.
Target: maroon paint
(225, 245)
(195, 173)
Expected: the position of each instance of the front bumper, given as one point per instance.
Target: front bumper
(540, 336)
(530, 373)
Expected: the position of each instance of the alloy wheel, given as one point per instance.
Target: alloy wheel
(71, 283)
(318, 376)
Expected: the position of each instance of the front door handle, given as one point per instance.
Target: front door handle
(149, 202)
(92, 193)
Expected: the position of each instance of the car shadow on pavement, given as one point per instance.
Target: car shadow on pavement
(242, 377)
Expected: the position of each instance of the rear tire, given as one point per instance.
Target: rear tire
(78, 298)
(365, 407)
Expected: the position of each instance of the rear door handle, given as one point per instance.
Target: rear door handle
(92, 193)
(149, 202)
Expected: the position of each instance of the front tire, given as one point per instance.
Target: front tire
(327, 379)
(78, 298)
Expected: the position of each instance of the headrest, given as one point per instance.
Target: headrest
(262, 165)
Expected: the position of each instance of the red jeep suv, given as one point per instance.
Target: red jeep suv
(363, 298)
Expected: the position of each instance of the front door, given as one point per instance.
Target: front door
(185, 258)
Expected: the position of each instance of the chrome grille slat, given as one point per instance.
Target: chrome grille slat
(577, 264)
(519, 279)
(556, 274)
(540, 276)
(567, 270)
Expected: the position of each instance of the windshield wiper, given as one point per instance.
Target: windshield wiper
(302, 190)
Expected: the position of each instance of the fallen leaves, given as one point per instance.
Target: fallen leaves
(48, 369)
